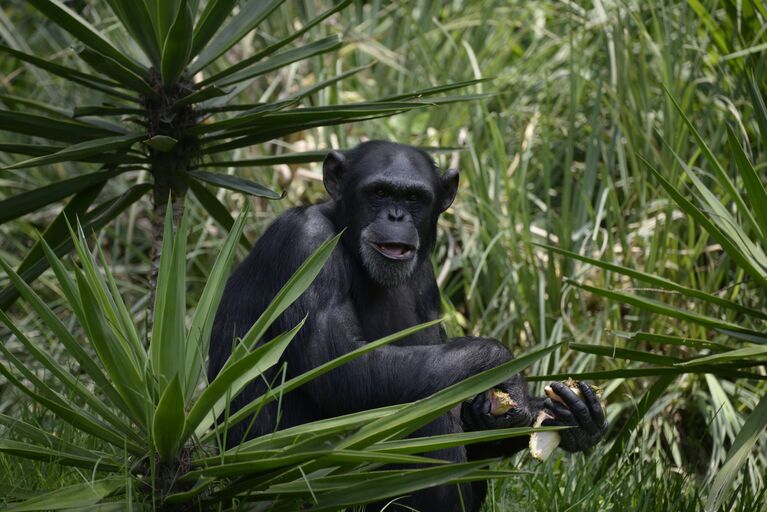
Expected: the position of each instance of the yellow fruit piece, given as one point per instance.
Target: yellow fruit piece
(500, 402)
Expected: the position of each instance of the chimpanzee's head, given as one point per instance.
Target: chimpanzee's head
(389, 196)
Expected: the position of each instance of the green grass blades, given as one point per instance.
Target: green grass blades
(168, 422)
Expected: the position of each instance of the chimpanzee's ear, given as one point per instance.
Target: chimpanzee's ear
(332, 171)
(449, 182)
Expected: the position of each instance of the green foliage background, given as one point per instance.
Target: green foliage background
(582, 108)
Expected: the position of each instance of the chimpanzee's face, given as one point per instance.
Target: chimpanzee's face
(392, 197)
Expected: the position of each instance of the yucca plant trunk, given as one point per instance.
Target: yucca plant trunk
(169, 165)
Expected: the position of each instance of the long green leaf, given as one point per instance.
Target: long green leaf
(235, 183)
(288, 294)
(261, 464)
(288, 158)
(376, 489)
(342, 481)
(110, 301)
(760, 109)
(106, 110)
(305, 377)
(82, 150)
(623, 353)
(176, 50)
(169, 421)
(42, 438)
(251, 14)
(661, 308)
(756, 355)
(440, 442)
(736, 456)
(430, 91)
(116, 71)
(50, 128)
(64, 409)
(757, 196)
(211, 20)
(73, 497)
(234, 377)
(630, 373)
(721, 174)
(58, 455)
(243, 119)
(649, 337)
(57, 327)
(163, 14)
(27, 202)
(118, 360)
(73, 23)
(207, 93)
(731, 249)
(320, 429)
(135, 17)
(168, 344)
(423, 411)
(21, 104)
(280, 60)
(202, 319)
(657, 281)
(96, 219)
(91, 81)
(70, 383)
(242, 64)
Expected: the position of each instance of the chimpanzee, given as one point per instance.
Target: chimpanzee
(379, 280)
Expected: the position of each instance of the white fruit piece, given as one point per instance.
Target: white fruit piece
(542, 444)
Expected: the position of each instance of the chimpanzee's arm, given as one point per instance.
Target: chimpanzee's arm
(388, 375)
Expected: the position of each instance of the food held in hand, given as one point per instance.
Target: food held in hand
(500, 402)
(542, 444)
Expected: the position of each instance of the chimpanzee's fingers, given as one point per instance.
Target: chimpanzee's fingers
(481, 404)
(469, 418)
(564, 413)
(575, 404)
(561, 412)
(592, 402)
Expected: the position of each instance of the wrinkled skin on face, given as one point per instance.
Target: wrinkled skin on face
(390, 199)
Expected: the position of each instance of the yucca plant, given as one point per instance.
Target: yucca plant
(162, 96)
(154, 420)
(737, 222)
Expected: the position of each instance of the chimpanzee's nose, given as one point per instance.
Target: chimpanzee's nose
(396, 214)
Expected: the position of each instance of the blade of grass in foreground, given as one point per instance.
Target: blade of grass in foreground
(741, 446)
(73, 497)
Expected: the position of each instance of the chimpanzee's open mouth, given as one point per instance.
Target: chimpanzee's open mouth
(395, 251)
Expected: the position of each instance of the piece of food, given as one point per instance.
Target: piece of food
(570, 383)
(542, 444)
(500, 402)
(573, 385)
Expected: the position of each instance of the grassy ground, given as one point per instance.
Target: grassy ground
(553, 156)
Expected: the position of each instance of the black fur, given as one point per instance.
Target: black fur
(361, 296)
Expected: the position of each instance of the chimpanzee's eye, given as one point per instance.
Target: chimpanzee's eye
(412, 197)
(380, 193)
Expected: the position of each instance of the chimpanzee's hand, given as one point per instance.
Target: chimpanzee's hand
(586, 414)
(476, 414)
